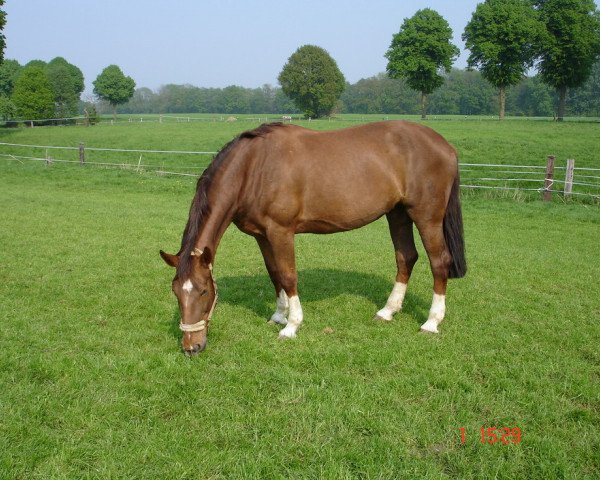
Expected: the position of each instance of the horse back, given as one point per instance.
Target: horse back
(337, 180)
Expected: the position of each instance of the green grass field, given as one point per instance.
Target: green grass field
(93, 384)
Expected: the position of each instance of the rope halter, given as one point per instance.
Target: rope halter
(202, 324)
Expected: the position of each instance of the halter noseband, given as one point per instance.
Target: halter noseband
(202, 324)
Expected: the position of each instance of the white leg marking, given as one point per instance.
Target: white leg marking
(283, 305)
(294, 319)
(436, 314)
(394, 302)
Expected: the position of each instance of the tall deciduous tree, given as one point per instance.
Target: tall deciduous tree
(67, 84)
(420, 51)
(33, 95)
(312, 79)
(9, 71)
(2, 37)
(571, 45)
(114, 87)
(502, 36)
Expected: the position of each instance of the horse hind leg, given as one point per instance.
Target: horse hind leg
(401, 231)
(432, 235)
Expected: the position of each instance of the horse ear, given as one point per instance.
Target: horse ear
(207, 257)
(171, 260)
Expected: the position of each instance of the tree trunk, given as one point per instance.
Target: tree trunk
(115, 113)
(562, 102)
(423, 106)
(502, 102)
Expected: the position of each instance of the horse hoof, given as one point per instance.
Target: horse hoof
(429, 327)
(194, 351)
(379, 318)
(278, 318)
(287, 333)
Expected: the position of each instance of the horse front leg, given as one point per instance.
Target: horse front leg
(282, 303)
(401, 231)
(284, 271)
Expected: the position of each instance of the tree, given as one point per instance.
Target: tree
(235, 99)
(380, 94)
(312, 79)
(32, 95)
(502, 36)
(7, 108)
(571, 45)
(9, 71)
(114, 87)
(585, 100)
(2, 37)
(420, 50)
(530, 98)
(67, 84)
(143, 100)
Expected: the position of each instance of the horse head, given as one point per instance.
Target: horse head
(196, 292)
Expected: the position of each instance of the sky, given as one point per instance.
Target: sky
(214, 43)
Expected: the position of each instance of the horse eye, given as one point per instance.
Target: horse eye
(204, 292)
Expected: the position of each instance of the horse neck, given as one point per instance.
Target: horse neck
(222, 201)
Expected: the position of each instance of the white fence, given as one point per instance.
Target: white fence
(582, 182)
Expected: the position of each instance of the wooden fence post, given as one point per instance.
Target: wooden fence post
(569, 176)
(81, 154)
(549, 180)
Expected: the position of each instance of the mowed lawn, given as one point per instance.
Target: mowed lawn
(93, 384)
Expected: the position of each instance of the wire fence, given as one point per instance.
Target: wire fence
(150, 118)
(585, 182)
(582, 182)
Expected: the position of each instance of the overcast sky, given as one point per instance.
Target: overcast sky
(213, 43)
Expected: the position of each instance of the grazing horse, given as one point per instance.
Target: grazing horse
(280, 179)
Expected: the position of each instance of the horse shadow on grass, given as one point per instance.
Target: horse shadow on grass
(256, 293)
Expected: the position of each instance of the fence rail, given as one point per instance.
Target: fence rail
(484, 176)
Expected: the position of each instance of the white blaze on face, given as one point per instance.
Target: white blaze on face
(187, 288)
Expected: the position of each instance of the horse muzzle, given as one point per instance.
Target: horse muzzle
(189, 346)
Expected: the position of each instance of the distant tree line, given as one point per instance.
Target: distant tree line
(175, 99)
(58, 85)
(466, 92)
(463, 92)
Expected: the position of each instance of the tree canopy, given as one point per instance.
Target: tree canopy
(67, 84)
(2, 37)
(503, 37)
(33, 95)
(571, 45)
(113, 86)
(9, 71)
(312, 79)
(420, 50)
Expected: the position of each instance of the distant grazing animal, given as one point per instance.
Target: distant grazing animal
(280, 179)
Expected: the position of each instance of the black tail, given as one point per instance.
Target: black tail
(453, 232)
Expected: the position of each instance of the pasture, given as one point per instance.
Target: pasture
(93, 384)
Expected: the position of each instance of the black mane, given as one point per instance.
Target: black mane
(200, 207)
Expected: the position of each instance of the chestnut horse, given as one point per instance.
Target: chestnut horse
(281, 179)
